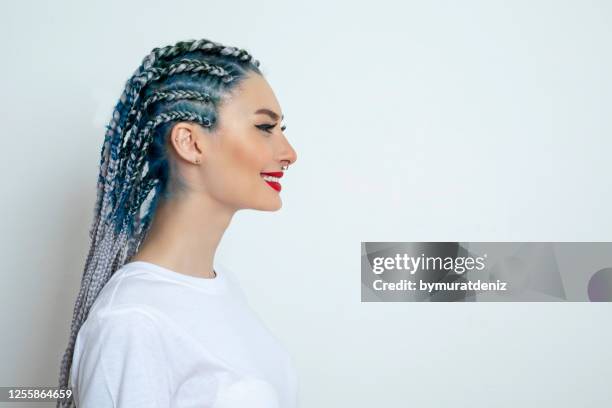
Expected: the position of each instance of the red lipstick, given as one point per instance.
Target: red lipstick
(278, 174)
(275, 185)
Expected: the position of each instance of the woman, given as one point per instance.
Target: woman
(195, 137)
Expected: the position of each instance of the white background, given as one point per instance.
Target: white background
(413, 121)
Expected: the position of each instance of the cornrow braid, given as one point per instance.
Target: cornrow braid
(180, 82)
(175, 94)
(210, 47)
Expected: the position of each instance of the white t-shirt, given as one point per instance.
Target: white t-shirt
(156, 338)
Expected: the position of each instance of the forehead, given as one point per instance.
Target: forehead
(251, 94)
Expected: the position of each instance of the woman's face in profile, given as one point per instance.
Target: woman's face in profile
(247, 141)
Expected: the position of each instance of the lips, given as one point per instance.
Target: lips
(278, 174)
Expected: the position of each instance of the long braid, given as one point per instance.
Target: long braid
(130, 170)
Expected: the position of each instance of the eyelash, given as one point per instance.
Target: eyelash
(267, 127)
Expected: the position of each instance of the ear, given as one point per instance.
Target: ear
(186, 141)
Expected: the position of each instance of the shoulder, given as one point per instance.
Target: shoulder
(124, 325)
(136, 290)
(121, 335)
(121, 358)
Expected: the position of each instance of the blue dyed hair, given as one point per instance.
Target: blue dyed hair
(181, 82)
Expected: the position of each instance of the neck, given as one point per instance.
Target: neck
(185, 233)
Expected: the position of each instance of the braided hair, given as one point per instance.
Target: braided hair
(181, 82)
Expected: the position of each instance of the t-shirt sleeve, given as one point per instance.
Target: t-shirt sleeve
(123, 364)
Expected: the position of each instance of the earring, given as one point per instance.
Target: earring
(197, 161)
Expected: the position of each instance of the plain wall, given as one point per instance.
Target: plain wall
(413, 121)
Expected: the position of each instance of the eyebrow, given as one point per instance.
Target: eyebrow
(270, 113)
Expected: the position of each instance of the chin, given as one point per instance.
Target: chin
(276, 206)
(270, 206)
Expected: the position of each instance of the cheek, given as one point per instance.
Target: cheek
(234, 175)
(248, 154)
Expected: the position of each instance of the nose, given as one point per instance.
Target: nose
(288, 154)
